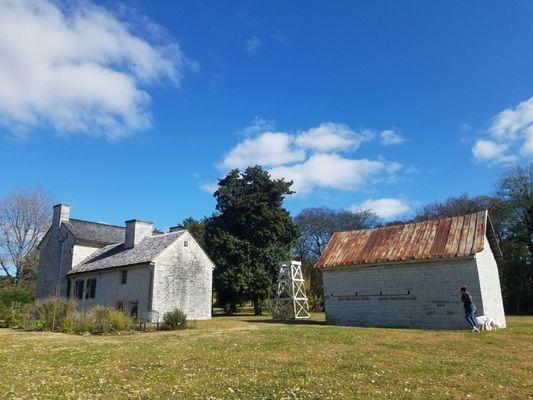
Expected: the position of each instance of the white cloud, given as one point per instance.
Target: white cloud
(386, 208)
(316, 158)
(465, 127)
(257, 126)
(489, 150)
(509, 137)
(252, 45)
(79, 69)
(512, 122)
(328, 137)
(389, 137)
(279, 37)
(527, 147)
(209, 187)
(329, 171)
(268, 149)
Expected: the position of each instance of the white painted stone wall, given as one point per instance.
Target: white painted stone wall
(416, 294)
(183, 279)
(48, 276)
(81, 252)
(491, 292)
(110, 291)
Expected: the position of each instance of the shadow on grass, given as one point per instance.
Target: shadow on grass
(239, 314)
(287, 322)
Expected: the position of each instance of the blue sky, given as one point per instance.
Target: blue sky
(135, 111)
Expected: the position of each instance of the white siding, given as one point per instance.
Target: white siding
(183, 279)
(109, 290)
(80, 253)
(415, 295)
(491, 292)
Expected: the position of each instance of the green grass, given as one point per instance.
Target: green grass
(246, 357)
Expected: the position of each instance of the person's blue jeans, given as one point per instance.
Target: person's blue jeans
(470, 316)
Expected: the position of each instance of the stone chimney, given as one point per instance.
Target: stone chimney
(137, 230)
(61, 213)
(175, 228)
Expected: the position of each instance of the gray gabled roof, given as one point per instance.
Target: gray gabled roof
(94, 232)
(115, 255)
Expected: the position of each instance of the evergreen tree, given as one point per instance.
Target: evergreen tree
(248, 236)
(196, 228)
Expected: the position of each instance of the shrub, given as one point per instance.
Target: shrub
(13, 306)
(49, 313)
(60, 315)
(174, 320)
(12, 316)
(108, 320)
(275, 310)
(316, 303)
(97, 320)
(7, 297)
(74, 323)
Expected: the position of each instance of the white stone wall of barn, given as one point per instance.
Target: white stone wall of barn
(489, 279)
(416, 295)
(183, 279)
(110, 291)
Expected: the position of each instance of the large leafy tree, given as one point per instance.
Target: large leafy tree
(515, 191)
(196, 228)
(249, 235)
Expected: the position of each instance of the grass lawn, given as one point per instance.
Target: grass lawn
(247, 357)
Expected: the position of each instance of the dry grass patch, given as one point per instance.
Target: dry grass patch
(246, 357)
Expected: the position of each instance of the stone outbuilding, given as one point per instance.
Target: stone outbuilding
(131, 268)
(409, 275)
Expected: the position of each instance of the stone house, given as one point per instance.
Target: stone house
(131, 268)
(410, 275)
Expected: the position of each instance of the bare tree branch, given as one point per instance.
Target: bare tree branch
(24, 219)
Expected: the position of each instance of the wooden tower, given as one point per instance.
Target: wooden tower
(291, 301)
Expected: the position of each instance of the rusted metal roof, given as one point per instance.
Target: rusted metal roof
(446, 238)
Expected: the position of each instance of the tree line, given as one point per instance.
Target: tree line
(250, 231)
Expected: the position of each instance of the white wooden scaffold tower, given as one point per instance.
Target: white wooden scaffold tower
(291, 298)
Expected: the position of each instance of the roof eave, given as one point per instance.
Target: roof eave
(110, 268)
(396, 262)
(493, 239)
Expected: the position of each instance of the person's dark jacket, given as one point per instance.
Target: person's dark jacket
(468, 303)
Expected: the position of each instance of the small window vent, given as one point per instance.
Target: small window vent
(185, 243)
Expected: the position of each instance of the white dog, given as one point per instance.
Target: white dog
(486, 323)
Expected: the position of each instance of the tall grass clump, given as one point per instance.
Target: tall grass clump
(49, 313)
(174, 320)
(103, 319)
(60, 315)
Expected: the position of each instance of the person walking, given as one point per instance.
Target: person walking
(470, 308)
